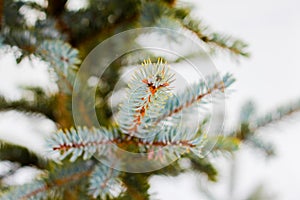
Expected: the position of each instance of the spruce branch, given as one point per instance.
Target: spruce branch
(204, 166)
(104, 182)
(250, 125)
(227, 144)
(63, 58)
(147, 93)
(174, 142)
(277, 115)
(45, 187)
(213, 39)
(196, 94)
(59, 54)
(21, 36)
(179, 17)
(273, 117)
(82, 141)
(258, 143)
(33, 190)
(88, 142)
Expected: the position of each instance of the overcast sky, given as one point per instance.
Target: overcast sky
(271, 78)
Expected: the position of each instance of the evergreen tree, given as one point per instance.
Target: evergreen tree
(62, 38)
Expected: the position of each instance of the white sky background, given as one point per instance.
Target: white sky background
(270, 78)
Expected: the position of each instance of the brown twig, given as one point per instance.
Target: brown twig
(125, 141)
